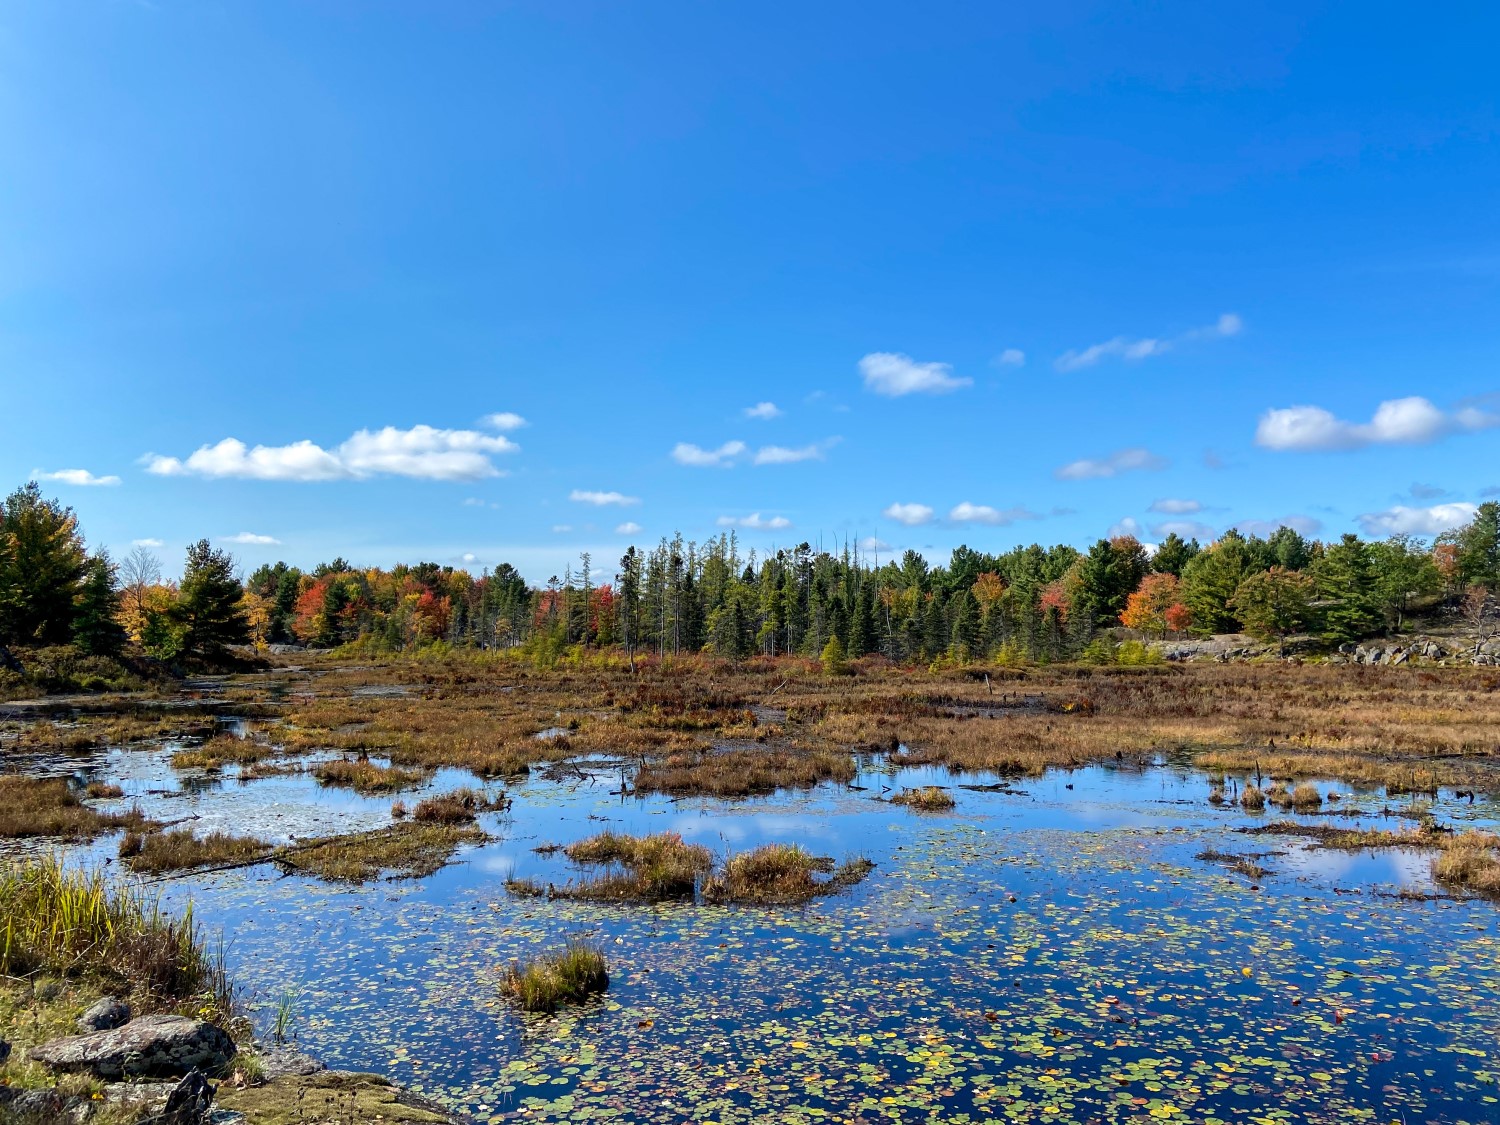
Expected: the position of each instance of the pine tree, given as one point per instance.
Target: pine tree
(41, 568)
(96, 629)
(208, 604)
(1344, 576)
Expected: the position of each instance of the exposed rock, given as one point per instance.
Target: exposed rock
(152, 1046)
(4, 1050)
(278, 1061)
(106, 1014)
(37, 1105)
(189, 1103)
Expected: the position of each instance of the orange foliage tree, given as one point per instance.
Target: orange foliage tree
(1149, 607)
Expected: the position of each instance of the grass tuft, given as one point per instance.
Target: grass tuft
(928, 798)
(49, 806)
(366, 777)
(155, 852)
(568, 977)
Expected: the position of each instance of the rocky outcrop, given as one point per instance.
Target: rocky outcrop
(149, 1047)
(105, 1014)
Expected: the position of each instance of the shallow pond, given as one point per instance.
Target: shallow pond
(1050, 950)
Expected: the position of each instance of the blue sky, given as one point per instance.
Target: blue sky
(483, 282)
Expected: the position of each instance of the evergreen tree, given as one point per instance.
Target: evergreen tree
(42, 568)
(1478, 547)
(1403, 570)
(96, 629)
(208, 604)
(1173, 554)
(1210, 580)
(1345, 585)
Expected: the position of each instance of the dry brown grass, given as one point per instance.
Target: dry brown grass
(49, 806)
(222, 750)
(928, 798)
(781, 875)
(1471, 862)
(743, 772)
(408, 850)
(180, 850)
(366, 777)
(656, 868)
(458, 807)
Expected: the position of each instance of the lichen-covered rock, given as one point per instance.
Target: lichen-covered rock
(106, 1014)
(149, 1047)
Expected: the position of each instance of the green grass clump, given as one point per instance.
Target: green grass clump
(928, 798)
(568, 977)
(72, 923)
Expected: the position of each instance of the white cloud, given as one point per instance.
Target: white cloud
(561, 527)
(893, 374)
(147, 543)
(1121, 461)
(764, 411)
(1127, 526)
(81, 477)
(629, 527)
(685, 453)
(602, 499)
(249, 538)
(781, 455)
(468, 557)
(755, 522)
(1011, 357)
(1075, 360)
(966, 512)
(873, 543)
(912, 515)
(505, 420)
(1303, 525)
(421, 453)
(1186, 529)
(1172, 507)
(1417, 521)
(1399, 421)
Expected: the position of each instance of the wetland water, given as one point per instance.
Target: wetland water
(1054, 952)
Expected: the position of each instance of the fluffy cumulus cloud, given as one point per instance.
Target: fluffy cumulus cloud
(1173, 507)
(1303, 525)
(1011, 357)
(420, 453)
(966, 512)
(912, 515)
(764, 411)
(894, 375)
(1398, 421)
(1405, 520)
(686, 453)
(80, 477)
(602, 499)
(250, 539)
(1122, 347)
(504, 421)
(629, 527)
(1127, 526)
(1121, 461)
(756, 522)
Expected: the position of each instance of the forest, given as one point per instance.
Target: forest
(1026, 604)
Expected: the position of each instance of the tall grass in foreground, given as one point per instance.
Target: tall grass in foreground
(73, 923)
(570, 976)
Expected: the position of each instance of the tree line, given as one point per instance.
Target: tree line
(1027, 604)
